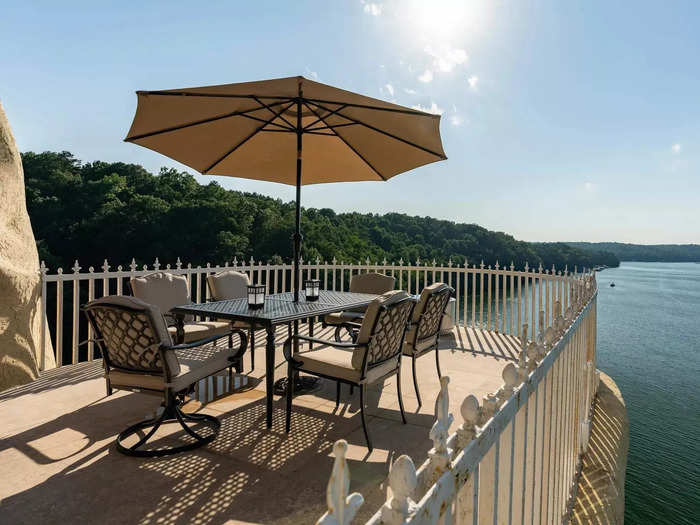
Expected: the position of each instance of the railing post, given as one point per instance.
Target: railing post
(341, 507)
(402, 485)
(91, 297)
(439, 455)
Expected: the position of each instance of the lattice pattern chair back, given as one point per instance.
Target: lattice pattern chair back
(131, 333)
(389, 330)
(432, 311)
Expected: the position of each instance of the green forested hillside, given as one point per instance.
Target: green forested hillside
(118, 211)
(645, 252)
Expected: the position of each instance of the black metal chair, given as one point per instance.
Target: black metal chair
(138, 355)
(424, 330)
(372, 282)
(374, 355)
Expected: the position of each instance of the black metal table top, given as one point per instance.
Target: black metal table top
(279, 308)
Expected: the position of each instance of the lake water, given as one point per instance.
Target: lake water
(649, 343)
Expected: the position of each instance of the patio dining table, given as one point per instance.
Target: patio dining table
(279, 309)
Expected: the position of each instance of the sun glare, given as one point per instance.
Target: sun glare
(441, 21)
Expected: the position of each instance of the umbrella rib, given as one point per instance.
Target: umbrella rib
(319, 119)
(257, 99)
(199, 122)
(375, 170)
(318, 102)
(274, 116)
(395, 137)
(284, 128)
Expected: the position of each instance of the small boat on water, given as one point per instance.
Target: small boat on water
(612, 285)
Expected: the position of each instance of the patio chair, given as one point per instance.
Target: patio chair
(375, 283)
(166, 290)
(424, 330)
(138, 355)
(230, 284)
(374, 355)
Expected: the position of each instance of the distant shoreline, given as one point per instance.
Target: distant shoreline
(645, 252)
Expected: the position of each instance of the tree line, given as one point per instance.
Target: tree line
(116, 211)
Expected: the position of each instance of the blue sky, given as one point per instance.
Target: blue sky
(561, 120)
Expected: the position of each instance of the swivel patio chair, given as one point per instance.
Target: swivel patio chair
(424, 330)
(230, 284)
(374, 355)
(138, 355)
(166, 290)
(374, 283)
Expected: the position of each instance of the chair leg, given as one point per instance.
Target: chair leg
(337, 394)
(290, 394)
(362, 414)
(437, 361)
(415, 380)
(171, 412)
(338, 331)
(398, 389)
(109, 387)
(252, 349)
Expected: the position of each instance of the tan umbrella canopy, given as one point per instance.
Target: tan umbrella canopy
(264, 130)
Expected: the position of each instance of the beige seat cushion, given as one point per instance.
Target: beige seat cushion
(228, 284)
(162, 289)
(336, 362)
(201, 329)
(338, 318)
(193, 367)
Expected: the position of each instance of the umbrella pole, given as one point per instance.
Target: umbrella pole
(297, 231)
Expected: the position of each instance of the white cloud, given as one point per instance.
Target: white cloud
(311, 74)
(390, 89)
(372, 9)
(427, 76)
(410, 91)
(676, 148)
(446, 57)
(433, 108)
(473, 82)
(456, 120)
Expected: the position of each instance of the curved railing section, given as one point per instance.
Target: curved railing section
(516, 455)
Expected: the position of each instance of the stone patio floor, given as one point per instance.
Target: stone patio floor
(59, 463)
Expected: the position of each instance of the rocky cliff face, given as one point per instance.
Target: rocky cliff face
(600, 496)
(20, 286)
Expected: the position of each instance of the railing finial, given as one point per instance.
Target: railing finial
(105, 266)
(43, 270)
(402, 483)
(341, 507)
(76, 267)
(470, 412)
(439, 455)
(133, 265)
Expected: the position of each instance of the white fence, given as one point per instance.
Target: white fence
(494, 298)
(513, 459)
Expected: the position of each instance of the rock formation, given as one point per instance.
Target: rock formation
(20, 284)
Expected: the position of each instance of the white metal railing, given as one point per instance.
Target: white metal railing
(513, 459)
(495, 298)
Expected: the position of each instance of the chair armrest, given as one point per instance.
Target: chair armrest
(287, 346)
(326, 342)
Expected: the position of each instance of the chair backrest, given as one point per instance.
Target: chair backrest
(371, 283)
(228, 284)
(130, 334)
(164, 290)
(383, 329)
(430, 309)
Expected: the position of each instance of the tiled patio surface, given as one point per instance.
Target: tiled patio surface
(59, 463)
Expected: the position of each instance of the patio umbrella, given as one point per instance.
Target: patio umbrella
(289, 130)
